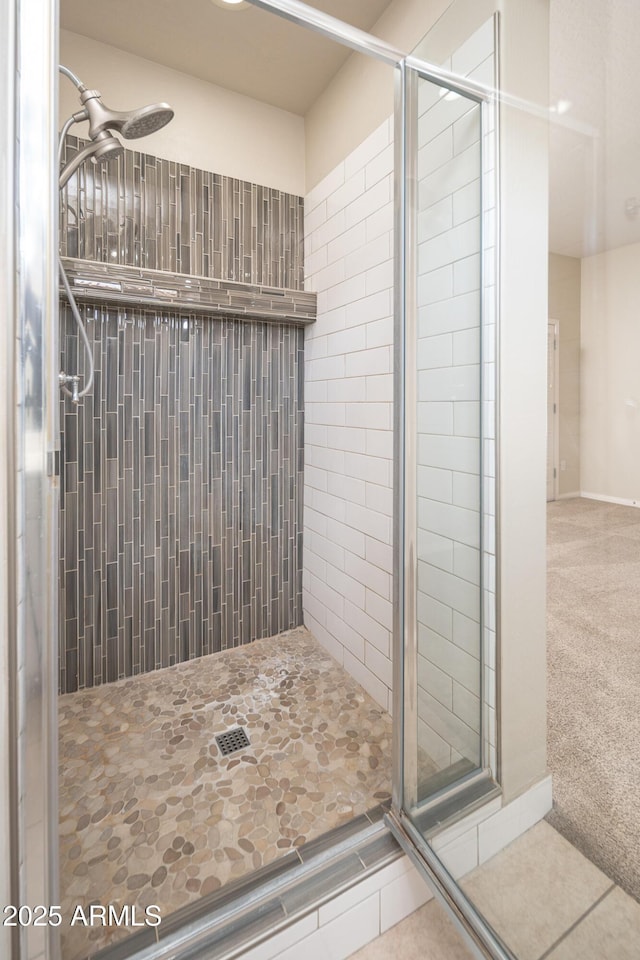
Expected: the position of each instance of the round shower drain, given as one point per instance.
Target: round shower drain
(232, 741)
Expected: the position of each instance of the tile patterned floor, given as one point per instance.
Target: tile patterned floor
(544, 899)
(150, 813)
(427, 934)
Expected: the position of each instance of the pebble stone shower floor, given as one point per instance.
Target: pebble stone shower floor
(151, 813)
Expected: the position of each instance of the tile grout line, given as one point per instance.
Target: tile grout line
(576, 923)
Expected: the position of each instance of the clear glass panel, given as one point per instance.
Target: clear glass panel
(447, 359)
(444, 484)
(552, 864)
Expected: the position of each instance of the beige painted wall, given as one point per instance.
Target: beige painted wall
(213, 128)
(360, 96)
(610, 384)
(564, 306)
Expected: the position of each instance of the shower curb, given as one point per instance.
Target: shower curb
(248, 911)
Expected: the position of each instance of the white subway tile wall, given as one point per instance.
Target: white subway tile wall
(349, 413)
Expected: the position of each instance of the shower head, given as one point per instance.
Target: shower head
(131, 124)
(107, 147)
(146, 120)
(104, 147)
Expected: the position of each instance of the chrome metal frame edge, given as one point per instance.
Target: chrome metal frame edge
(52, 483)
(369, 45)
(9, 875)
(409, 555)
(498, 316)
(454, 82)
(305, 16)
(452, 789)
(478, 933)
(484, 750)
(493, 790)
(397, 780)
(35, 239)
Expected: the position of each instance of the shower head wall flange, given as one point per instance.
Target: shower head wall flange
(132, 124)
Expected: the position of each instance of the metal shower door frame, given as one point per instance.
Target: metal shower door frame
(29, 42)
(30, 584)
(479, 935)
(481, 938)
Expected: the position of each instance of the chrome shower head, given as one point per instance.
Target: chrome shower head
(104, 147)
(132, 124)
(146, 120)
(107, 147)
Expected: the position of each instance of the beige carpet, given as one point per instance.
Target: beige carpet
(594, 682)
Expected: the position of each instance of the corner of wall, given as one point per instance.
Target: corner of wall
(522, 418)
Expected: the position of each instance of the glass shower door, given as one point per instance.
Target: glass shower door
(445, 530)
(446, 462)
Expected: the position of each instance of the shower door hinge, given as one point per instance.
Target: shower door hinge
(53, 463)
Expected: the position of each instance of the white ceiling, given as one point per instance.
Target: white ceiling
(247, 50)
(594, 44)
(594, 68)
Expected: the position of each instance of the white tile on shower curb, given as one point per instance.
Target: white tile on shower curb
(402, 897)
(341, 937)
(459, 855)
(472, 820)
(274, 946)
(514, 819)
(361, 891)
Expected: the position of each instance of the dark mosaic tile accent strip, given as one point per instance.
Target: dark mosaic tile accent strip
(153, 288)
(142, 211)
(181, 491)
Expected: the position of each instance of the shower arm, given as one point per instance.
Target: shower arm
(79, 115)
(70, 75)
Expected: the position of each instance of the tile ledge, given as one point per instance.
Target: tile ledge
(114, 283)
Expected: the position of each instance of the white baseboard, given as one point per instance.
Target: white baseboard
(601, 496)
(569, 496)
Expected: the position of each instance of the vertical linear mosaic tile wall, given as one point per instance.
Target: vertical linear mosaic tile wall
(181, 491)
(142, 211)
